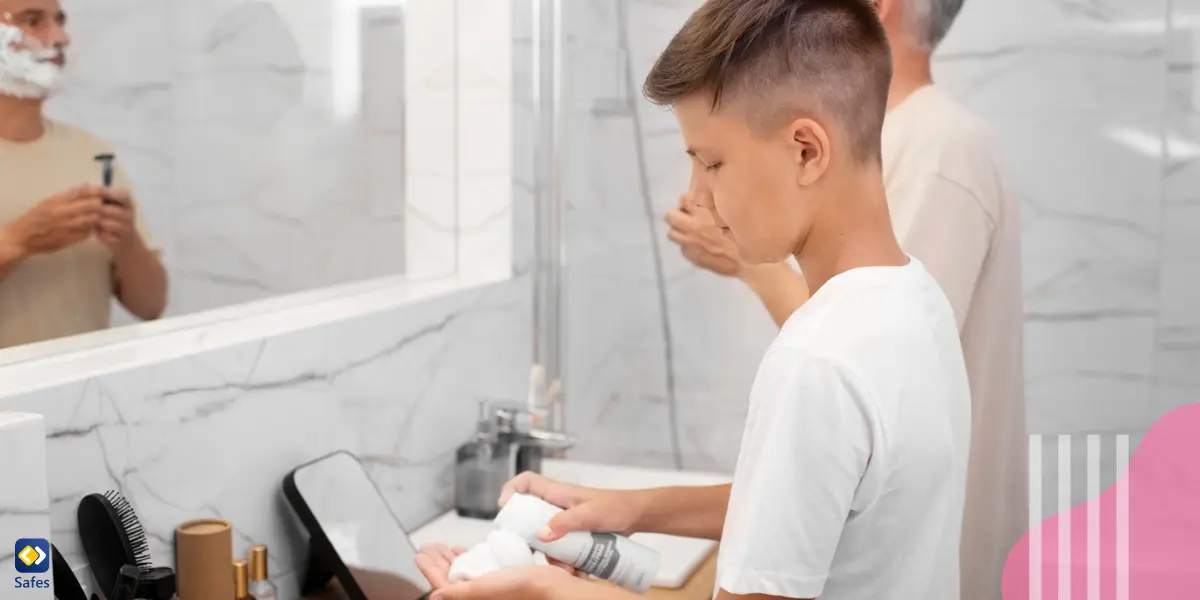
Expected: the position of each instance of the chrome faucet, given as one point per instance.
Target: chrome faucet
(510, 438)
(513, 424)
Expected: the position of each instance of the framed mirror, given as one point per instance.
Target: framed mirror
(274, 154)
(353, 534)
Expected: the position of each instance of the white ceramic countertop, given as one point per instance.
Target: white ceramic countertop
(680, 556)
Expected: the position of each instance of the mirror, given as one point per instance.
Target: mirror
(269, 149)
(354, 535)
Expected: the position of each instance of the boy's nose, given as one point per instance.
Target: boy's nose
(703, 198)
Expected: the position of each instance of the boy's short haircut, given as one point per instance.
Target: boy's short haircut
(778, 60)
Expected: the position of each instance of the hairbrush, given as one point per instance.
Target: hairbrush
(112, 537)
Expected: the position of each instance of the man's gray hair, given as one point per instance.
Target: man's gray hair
(931, 19)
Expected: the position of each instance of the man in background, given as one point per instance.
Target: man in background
(68, 241)
(950, 210)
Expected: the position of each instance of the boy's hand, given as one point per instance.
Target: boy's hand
(521, 583)
(434, 561)
(586, 509)
(702, 242)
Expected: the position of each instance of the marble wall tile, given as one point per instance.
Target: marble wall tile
(212, 435)
(24, 497)
(1074, 91)
(1075, 95)
(1177, 380)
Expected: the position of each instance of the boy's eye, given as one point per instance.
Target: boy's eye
(713, 167)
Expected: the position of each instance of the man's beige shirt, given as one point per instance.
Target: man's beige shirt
(67, 292)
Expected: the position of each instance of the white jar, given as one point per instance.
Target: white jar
(605, 555)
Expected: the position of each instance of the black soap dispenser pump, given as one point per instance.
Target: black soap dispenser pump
(481, 468)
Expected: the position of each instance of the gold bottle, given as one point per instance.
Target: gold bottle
(261, 587)
(241, 581)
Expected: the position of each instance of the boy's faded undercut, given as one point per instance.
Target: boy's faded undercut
(778, 60)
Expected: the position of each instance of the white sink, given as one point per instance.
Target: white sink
(680, 556)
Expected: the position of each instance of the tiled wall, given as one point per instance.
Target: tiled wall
(1081, 96)
(1177, 358)
(284, 145)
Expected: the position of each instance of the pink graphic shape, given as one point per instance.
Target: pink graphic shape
(1163, 482)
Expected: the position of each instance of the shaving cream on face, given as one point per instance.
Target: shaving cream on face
(24, 68)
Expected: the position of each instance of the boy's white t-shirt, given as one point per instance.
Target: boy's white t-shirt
(851, 475)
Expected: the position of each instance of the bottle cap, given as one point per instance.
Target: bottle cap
(241, 583)
(525, 516)
(258, 563)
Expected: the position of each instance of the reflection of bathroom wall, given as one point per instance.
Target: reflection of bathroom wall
(264, 138)
(1076, 95)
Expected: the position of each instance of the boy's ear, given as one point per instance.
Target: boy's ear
(810, 151)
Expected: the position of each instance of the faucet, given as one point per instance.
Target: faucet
(513, 424)
(508, 441)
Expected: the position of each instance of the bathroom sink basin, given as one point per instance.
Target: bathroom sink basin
(680, 557)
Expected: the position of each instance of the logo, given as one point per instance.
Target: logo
(32, 555)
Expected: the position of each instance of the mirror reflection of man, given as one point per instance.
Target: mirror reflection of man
(68, 244)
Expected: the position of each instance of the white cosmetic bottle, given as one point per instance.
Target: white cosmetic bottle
(605, 555)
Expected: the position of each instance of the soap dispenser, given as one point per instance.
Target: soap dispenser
(481, 468)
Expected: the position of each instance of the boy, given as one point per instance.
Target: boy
(951, 210)
(851, 474)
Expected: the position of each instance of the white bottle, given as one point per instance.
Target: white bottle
(606, 555)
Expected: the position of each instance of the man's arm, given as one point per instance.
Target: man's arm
(141, 280)
(696, 512)
(780, 288)
(11, 252)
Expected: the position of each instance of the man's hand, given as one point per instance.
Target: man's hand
(115, 227)
(58, 222)
(586, 509)
(702, 243)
